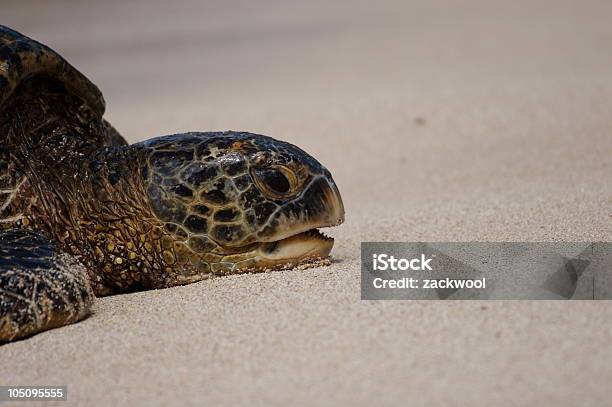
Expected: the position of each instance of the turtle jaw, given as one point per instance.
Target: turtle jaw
(306, 249)
(320, 206)
(295, 240)
(294, 250)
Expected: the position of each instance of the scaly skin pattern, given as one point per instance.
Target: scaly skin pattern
(204, 187)
(83, 213)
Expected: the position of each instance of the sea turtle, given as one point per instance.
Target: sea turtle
(84, 214)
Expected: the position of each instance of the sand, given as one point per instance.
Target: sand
(440, 121)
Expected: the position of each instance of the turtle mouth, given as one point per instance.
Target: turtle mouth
(300, 240)
(310, 248)
(297, 240)
(304, 246)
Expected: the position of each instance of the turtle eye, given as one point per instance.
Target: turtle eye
(277, 181)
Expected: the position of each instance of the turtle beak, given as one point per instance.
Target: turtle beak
(307, 239)
(292, 237)
(319, 206)
(335, 204)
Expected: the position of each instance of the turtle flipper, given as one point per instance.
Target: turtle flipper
(40, 287)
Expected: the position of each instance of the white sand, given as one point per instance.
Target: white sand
(459, 121)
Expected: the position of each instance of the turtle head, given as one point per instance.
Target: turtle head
(240, 200)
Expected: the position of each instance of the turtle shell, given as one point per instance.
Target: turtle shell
(22, 58)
